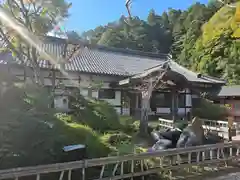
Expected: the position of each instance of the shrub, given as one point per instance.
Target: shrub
(208, 110)
(116, 138)
(31, 134)
(31, 141)
(97, 114)
(129, 124)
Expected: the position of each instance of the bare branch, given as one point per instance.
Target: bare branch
(10, 45)
(127, 4)
(9, 2)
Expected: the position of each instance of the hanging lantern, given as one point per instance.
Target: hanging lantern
(237, 14)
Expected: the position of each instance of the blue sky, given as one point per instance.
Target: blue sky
(88, 14)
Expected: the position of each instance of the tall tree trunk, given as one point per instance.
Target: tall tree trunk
(146, 95)
(144, 113)
(174, 108)
(37, 75)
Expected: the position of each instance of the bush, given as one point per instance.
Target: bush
(116, 138)
(31, 134)
(129, 124)
(31, 141)
(99, 115)
(208, 110)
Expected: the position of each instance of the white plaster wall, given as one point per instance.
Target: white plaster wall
(188, 98)
(73, 78)
(181, 111)
(85, 81)
(95, 94)
(116, 101)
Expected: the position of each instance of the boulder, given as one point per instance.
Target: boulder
(155, 135)
(162, 144)
(213, 138)
(167, 139)
(192, 135)
(172, 135)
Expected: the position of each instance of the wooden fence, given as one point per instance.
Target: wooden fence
(133, 165)
(221, 127)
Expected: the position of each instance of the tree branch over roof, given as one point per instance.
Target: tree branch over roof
(24, 21)
(127, 4)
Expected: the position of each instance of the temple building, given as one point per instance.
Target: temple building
(106, 67)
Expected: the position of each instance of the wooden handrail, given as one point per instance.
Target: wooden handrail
(88, 163)
(221, 127)
(217, 125)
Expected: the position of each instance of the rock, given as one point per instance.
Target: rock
(162, 144)
(192, 135)
(172, 135)
(155, 135)
(212, 138)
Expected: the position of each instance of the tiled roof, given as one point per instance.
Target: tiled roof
(229, 91)
(108, 61)
(192, 76)
(99, 59)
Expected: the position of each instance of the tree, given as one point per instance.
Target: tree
(204, 38)
(23, 22)
(73, 36)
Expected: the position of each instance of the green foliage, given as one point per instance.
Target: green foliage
(97, 114)
(208, 110)
(33, 18)
(129, 124)
(116, 138)
(204, 38)
(181, 124)
(31, 133)
(29, 141)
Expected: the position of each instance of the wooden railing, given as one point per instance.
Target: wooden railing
(133, 165)
(221, 127)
